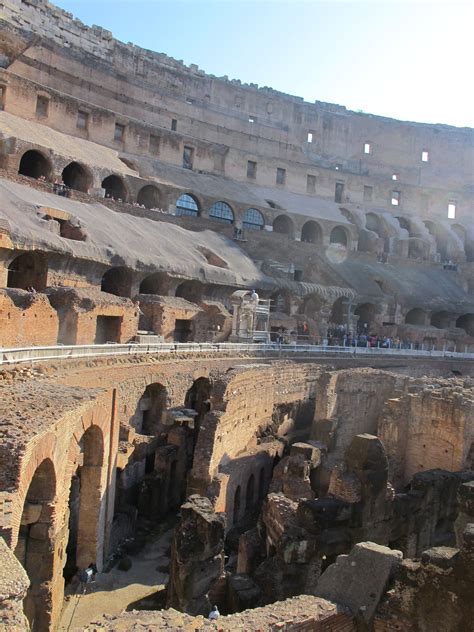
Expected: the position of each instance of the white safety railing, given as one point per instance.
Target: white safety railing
(65, 352)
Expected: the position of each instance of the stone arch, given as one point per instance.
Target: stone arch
(34, 164)
(441, 320)
(284, 225)
(157, 283)
(190, 290)
(222, 212)
(253, 219)
(250, 494)
(351, 217)
(85, 545)
(149, 196)
(311, 232)
(468, 244)
(339, 236)
(117, 281)
(187, 204)
(29, 269)
(339, 311)
(416, 316)
(34, 548)
(77, 177)
(115, 188)
(151, 409)
(405, 224)
(439, 236)
(466, 322)
(375, 224)
(366, 313)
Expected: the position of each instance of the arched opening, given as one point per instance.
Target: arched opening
(117, 281)
(250, 494)
(149, 196)
(187, 205)
(253, 219)
(198, 399)
(468, 245)
(338, 236)
(339, 311)
(311, 232)
(366, 313)
(441, 320)
(406, 225)
(115, 188)
(34, 165)
(440, 238)
(85, 541)
(157, 283)
(374, 223)
(150, 410)
(236, 506)
(222, 212)
(466, 322)
(28, 270)
(416, 316)
(34, 549)
(190, 290)
(284, 225)
(77, 177)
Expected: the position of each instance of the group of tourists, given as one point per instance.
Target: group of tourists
(338, 335)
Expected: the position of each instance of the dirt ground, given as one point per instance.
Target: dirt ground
(119, 590)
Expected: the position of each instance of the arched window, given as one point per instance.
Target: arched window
(338, 236)
(34, 165)
(149, 196)
(114, 188)
(186, 205)
(29, 269)
(222, 212)
(77, 177)
(283, 225)
(253, 219)
(117, 281)
(466, 322)
(311, 232)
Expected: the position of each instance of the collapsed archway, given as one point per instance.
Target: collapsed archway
(374, 223)
(76, 176)
(466, 322)
(117, 281)
(34, 165)
(34, 548)
(115, 188)
(27, 270)
(416, 316)
(149, 196)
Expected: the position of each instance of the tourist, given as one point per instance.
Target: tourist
(214, 614)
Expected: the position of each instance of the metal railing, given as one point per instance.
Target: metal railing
(66, 352)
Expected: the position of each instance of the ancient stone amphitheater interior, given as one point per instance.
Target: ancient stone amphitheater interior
(237, 345)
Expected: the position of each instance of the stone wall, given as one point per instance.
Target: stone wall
(26, 319)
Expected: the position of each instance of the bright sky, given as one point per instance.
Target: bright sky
(407, 59)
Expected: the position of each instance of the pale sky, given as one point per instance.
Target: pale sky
(411, 60)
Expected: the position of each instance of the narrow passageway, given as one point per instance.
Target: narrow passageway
(119, 590)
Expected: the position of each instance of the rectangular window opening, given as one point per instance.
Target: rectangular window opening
(425, 156)
(310, 137)
(338, 167)
(395, 198)
(395, 176)
(310, 184)
(367, 148)
(42, 105)
(3, 91)
(338, 192)
(188, 157)
(368, 193)
(154, 144)
(174, 125)
(251, 169)
(119, 131)
(252, 118)
(189, 100)
(451, 210)
(82, 119)
(280, 175)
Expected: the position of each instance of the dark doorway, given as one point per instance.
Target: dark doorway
(28, 270)
(117, 281)
(75, 176)
(108, 329)
(149, 196)
(34, 165)
(183, 330)
(115, 188)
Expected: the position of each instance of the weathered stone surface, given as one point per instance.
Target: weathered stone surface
(13, 586)
(359, 579)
